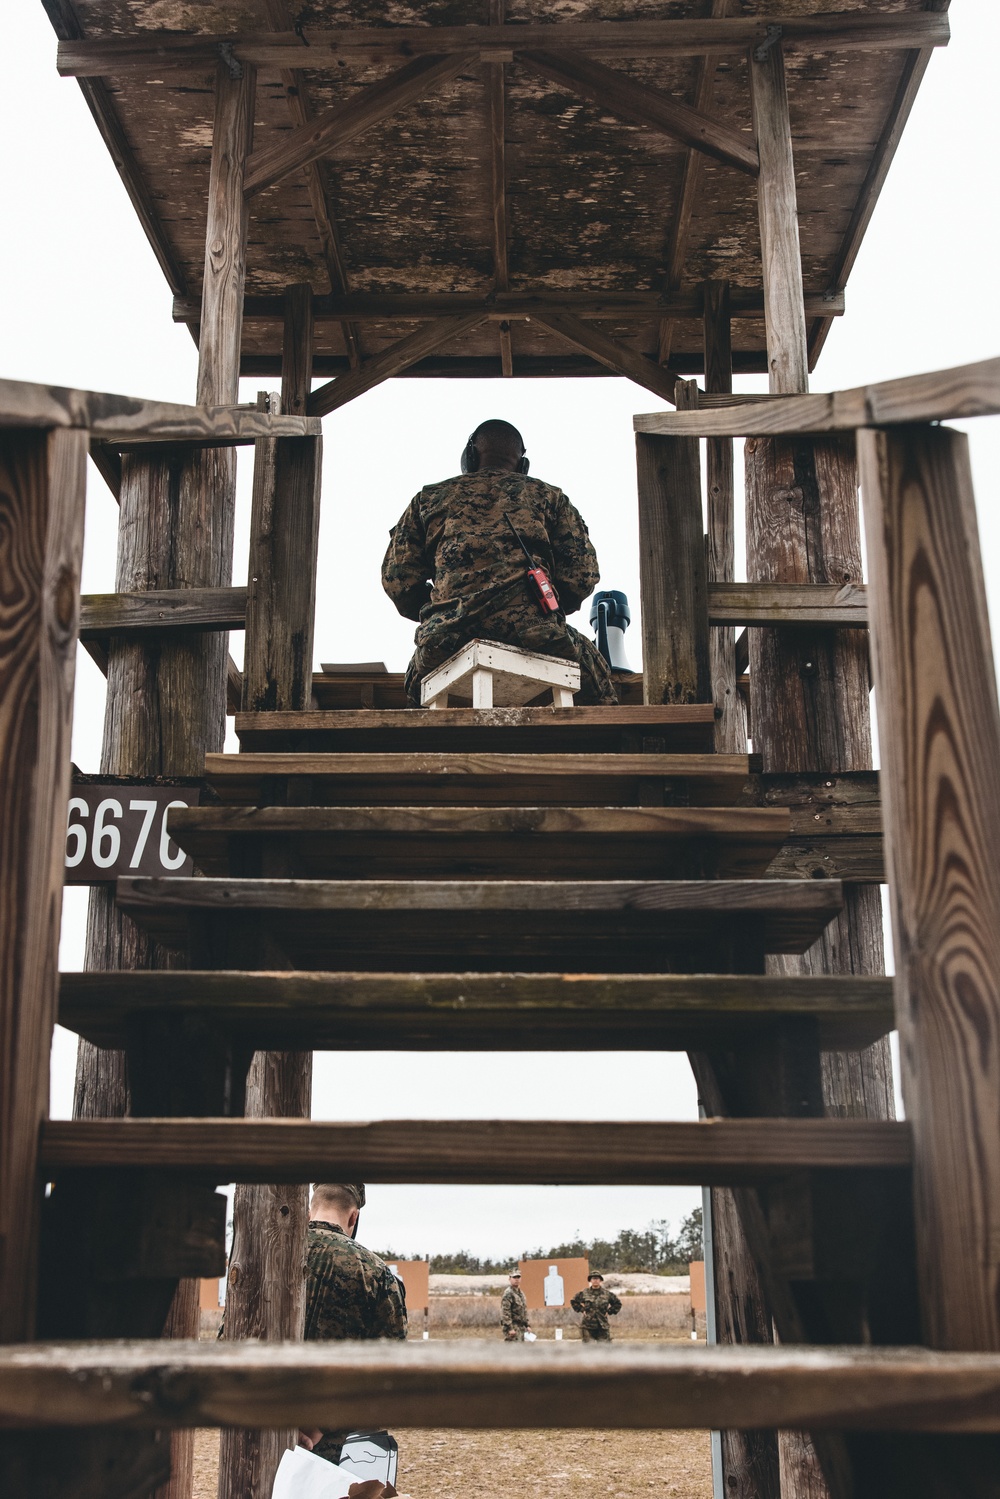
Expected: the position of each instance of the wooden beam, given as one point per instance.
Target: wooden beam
(672, 572)
(640, 105)
(478, 1151)
(777, 210)
(498, 184)
(284, 531)
(788, 604)
(647, 38)
(390, 362)
(221, 322)
(335, 127)
(42, 489)
(940, 735)
(297, 93)
(106, 614)
(946, 395)
(676, 256)
(125, 420)
(609, 352)
(500, 305)
(471, 1011)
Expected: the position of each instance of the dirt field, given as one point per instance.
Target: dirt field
(512, 1465)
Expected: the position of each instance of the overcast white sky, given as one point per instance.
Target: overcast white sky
(84, 304)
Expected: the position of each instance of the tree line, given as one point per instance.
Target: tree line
(654, 1250)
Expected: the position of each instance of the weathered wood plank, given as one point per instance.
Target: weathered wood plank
(784, 312)
(478, 1150)
(104, 614)
(940, 735)
(946, 395)
(221, 323)
(788, 604)
(124, 420)
(608, 351)
(335, 127)
(390, 362)
(681, 37)
(640, 105)
(473, 1011)
(511, 305)
(672, 572)
(284, 531)
(42, 489)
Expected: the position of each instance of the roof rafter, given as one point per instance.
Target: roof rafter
(834, 31)
(609, 352)
(498, 175)
(641, 105)
(345, 121)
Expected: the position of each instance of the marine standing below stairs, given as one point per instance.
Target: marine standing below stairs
(597, 1305)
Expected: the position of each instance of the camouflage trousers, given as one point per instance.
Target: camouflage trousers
(595, 1334)
(518, 1335)
(549, 637)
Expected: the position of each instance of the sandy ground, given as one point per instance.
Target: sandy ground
(521, 1465)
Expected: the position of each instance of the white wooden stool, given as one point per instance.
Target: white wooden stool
(499, 676)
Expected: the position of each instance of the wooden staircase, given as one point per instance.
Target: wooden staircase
(374, 878)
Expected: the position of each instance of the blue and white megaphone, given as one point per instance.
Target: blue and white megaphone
(610, 617)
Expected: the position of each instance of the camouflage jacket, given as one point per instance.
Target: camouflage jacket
(453, 564)
(513, 1309)
(351, 1292)
(596, 1306)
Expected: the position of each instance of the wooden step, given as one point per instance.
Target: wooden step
(579, 780)
(454, 925)
(347, 691)
(487, 1384)
(480, 1011)
(677, 728)
(482, 842)
(706, 1152)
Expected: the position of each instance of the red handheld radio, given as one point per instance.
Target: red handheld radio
(539, 581)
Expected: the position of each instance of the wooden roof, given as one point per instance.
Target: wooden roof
(569, 207)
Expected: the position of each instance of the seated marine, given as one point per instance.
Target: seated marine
(454, 564)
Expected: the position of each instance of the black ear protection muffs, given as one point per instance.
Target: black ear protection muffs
(470, 457)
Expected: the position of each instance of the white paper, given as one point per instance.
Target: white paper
(531, 1337)
(303, 1475)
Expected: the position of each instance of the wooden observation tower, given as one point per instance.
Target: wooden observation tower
(348, 192)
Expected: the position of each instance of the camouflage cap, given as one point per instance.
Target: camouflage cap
(595, 1275)
(354, 1190)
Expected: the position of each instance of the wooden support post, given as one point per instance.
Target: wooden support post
(42, 496)
(940, 738)
(267, 1286)
(284, 529)
(673, 580)
(730, 725)
(166, 703)
(784, 307)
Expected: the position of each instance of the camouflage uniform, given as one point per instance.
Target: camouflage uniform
(351, 1294)
(597, 1307)
(453, 565)
(513, 1314)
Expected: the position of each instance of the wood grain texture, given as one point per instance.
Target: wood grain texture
(335, 127)
(42, 488)
(183, 1321)
(127, 420)
(683, 37)
(672, 576)
(610, 352)
(221, 327)
(778, 214)
(944, 395)
(940, 732)
(479, 1151)
(474, 1011)
(810, 700)
(104, 614)
(640, 105)
(390, 362)
(838, 606)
